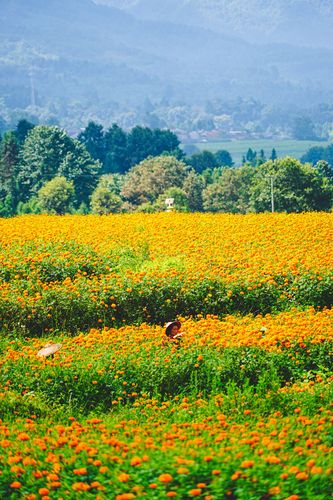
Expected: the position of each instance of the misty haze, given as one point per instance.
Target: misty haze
(208, 70)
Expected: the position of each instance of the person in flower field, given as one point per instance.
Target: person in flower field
(172, 331)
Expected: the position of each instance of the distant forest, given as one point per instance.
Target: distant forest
(102, 171)
(216, 119)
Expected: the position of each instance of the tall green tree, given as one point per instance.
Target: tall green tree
(116, 151)
(139, 144)
(79, 167)
(193, 186)
(202, 161)
(296, 187)
(92, 137)
(223, 158)
(55, 196)
(152, 177)
(49, 152)
(22, 129)
(230, 192)
(313, 155)
(9, 158)
(325, 170)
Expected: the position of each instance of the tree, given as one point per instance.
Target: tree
(139, 144)
(112, 182)
(324, 169)
(313, 155)
(150, 178)
(303, 129)
(49, 152)
(262, 158)
(165, 141)
(92, 137)
(9, 158)
(22, 129)
(56, 195)
(223, 158)
(42, 154)
(116, 153)
(78, 167)
(104, 201)
(143, 142)
(273, 155)
(230, 192)
(193, 186)
(297, 187)
(202, 161)
(180, 203)
(251, 157)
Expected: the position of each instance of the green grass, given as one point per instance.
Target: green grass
(239, 148)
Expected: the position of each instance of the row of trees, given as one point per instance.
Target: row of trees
(247, 116)
(42, 169)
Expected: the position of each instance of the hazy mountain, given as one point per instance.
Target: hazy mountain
(300, 22)
(92, 55)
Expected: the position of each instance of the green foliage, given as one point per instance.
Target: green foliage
(223, 158)
(29, 207)
(193, 186)
(297, 187)
(9, 151)
(49, 152)
(180, 204)
(22, 129)
(104, 202)
(92, 138)
(230, 192)
(202, 161)
(116, 150)
(78, 167)
(56, 196)
(146, 181)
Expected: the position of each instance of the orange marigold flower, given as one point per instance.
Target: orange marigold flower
(43, 491)
(81, 486)
(302, 476)
(80, 472)
(123, 477)
(246, 464)
(171, 494)
(165, 478)
(23, 436)
(275, 490)
(16, 485)
(316, 470)
(125, 496)
(195, 492)
(182, 470)
(136, 461)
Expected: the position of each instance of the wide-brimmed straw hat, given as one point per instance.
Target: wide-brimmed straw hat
(168, 326)
(49, 349)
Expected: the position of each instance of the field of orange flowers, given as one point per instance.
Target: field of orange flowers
(243, 409)
(74, 273)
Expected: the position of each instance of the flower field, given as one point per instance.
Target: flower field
(242, 410)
